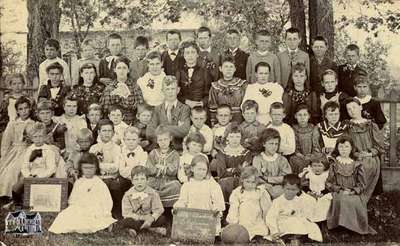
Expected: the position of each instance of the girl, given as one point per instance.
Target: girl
(347, 181)
(297, 92)
(368, 141)
(201, 191)
(307, 140)
(122, 92)
(271, 166)
(230, 160)
(249, 205)
(13, 146)
(90, 202)
(89, 89)
(194, 145)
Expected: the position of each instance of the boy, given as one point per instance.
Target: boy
(107, 64)
(224, 117)
(109, 155)
(198, 115)
(55, 89)
(172, 58)
(262, 54)
(319, 63)
(172, 113)
(240, 57)
(141, 205)
(350, 70)
(51, 51)
(331, 128)
(194, 80)
(371, 109)
(116, 117)
(288, 141)
(93, 116)
(251, 129)
(208, 56)
(88, 55)
(263, 92)
(151, 82)
(291, 56)
(138, 66)
(143, 116)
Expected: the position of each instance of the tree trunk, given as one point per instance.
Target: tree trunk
(321, 22)
(298, 20)
(43, 23)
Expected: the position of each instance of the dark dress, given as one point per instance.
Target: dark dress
(346, 77)
(240, 58)
(56, 134)
(171, 66)
(107, 66)
(292, 98)
(87, 95)
(372, 110)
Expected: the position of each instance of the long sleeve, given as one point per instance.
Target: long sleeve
(257, 163)
(288, 141)
(249, 69)
(151, 163)
(50, 164)
(315, 141)
(154, 122)
(380, 118)
(7, 138)
(220, 163)
(25, 170)
(207, 85)
(284, 168)
(377, 140)
(183, 200)
(331, 183)
(271, 220)
(172, 164)
(265, 202)
(234, 202)
(182, 129)
(126, 167)
(213, 105)
(277, 70)
(360, 180)
(105, 201)
(217, 198)
(156, 206)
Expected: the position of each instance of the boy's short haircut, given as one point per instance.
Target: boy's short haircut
(320, 38)
(291, 179)
(19, 76)
(71, 97)
(153, 55)
(88, 42)
(263, 64)
(247, 172)
(292, 30)
(91, 158)
(203, 29)
(320, 158)
(188, 44)
(51, 42)
(94, 107)
(55, 65)
(144, 107)
(301, 107)
(329, 72)
(353, 47)
(224, 105)
(36, 127)
(262, 32)
(277, 105)
(162, 129)
(330, 105)
(113, 36)
(269, 134)
(86, 134)
(44, 104)
(196, 137)
(229, 59)
(198, 109)
(137, 170)
(350, 100)
(115, 108)
(105, 122)
(173, 32)
(299, 67)
(141, 41)
(249, 104)
(132, 130)
(169, 80)
(361, 79)
(233, 31)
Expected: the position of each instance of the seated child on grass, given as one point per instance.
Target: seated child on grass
(224, 117)
(144, 114)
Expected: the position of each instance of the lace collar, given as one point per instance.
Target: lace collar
(269, 158)
(238, 151)
(345, 161)
(365, 99)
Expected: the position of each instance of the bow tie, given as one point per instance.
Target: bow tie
(131, 154)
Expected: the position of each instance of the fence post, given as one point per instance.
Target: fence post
(393, 129)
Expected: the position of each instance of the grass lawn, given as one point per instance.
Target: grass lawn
(384, 215)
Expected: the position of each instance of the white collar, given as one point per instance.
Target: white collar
(208, 49)
(263, 53)
(173, 51)
(365, 100)
(233, 51)
(138, 149)
(173, 104)
(359, 121)
(344, 160)
(294, 51)
(269, 158)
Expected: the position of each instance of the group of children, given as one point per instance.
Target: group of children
(251, 138)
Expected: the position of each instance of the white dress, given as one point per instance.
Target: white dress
(89, 208)
(151, 87)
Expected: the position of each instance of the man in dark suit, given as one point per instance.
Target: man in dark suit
(350, 70)
(172, 59)
(208, 56)
(240, 57)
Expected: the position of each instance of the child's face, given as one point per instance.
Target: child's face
(352, 57)
(190, 55)
(121, 70)
(203, 39)
(23, 111)
(106, 133)
(164, 141)
(88, 170)
(344, 149)
(115, 46)
(141, 51)
(94, 116)
(319, 48)
(277, 116)
(250, 115)
(249, 183)
(154, 66)
(173, 41)
(290, 191)
(262, 75)
(200, 171)
(234, 139)
(88, 51)
(55, 76)
(194, 147)
(131, 140)
(198, 119)
(16, 85)
(170, 92)
(88, 75)
(302, 117)
(263, 42)
(232, 40)
(228, 70)
(84, 143)
(70, 107)
(45, 116)
(224, 116)
(332, 116)
(115, 116)
(299, 78)
(50, 52)
(354, 110)
(317, 168)
(139, 181)
(292, 40)
(38, 137)
(362, 89)
(145, 117)
(329, 83)
(271, 146)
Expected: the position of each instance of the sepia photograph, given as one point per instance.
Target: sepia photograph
(181, 122)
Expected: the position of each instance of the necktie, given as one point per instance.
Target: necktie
(169, 112)
(131, 154)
